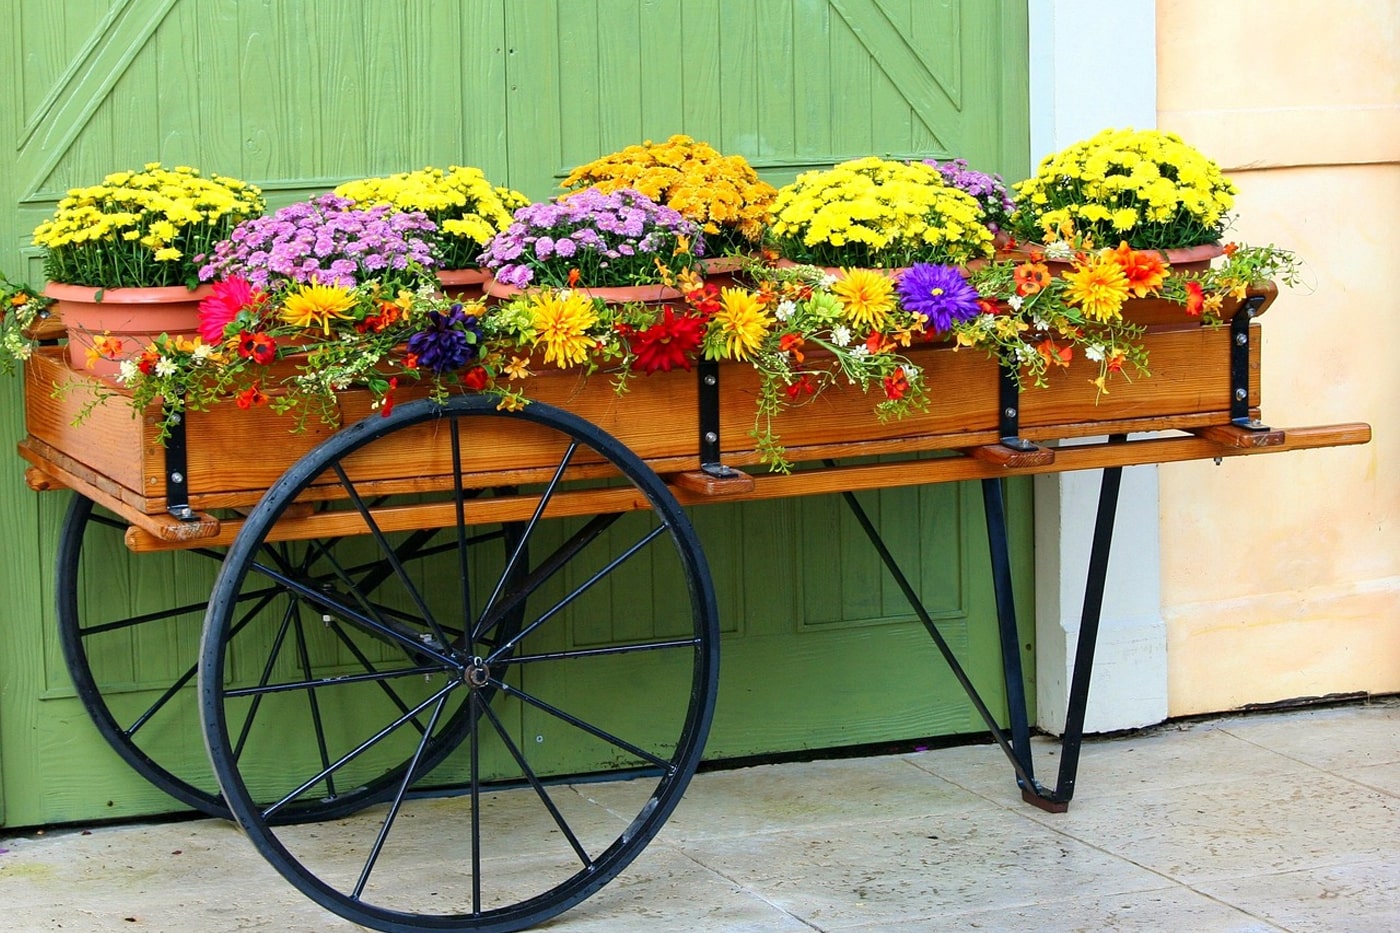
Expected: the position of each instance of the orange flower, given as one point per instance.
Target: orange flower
(1031, 277)
(1054, 354)
(1144, 270)
(251, 397)
(792, 343)
(1195, 298)
(896, 385)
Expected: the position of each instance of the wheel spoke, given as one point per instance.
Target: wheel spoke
(388, 551)
(277, 642)
(608, 568)
(396, 803)
(358, 750)
(605, 651)
(540, 790)
(577, 723)
(313, 683)
(530, 525)
(546, 569)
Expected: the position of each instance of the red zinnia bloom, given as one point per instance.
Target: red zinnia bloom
(896, 385)
(1195, 298)
(668, 343)
(476, 378)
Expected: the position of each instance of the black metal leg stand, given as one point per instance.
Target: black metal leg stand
(1016, 744)
(1056, 800)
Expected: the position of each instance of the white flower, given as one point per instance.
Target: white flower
(166, 367)
(127, 371)
(1095, 352)
(202, 352)
(841, 335)
(1015, 301)
(1059, 249)
(786, 308)
(1038, 322)
(860, 351)
(827, 280)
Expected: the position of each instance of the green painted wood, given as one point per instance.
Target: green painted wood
(297, 96)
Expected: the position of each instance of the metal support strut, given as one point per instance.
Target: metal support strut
(177, 487)
(1239, 365)
(708, 399)
(1015, 743)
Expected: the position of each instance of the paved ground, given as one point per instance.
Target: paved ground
(1287, 821)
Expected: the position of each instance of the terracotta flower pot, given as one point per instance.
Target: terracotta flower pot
(616, 294)
(131, 317)
(462, 284)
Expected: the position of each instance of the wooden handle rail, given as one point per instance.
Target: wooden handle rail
(154, 533)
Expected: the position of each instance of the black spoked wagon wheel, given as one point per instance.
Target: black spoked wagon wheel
(576, 732)
(129, 626)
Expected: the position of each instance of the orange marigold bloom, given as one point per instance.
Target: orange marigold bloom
(1144, 270)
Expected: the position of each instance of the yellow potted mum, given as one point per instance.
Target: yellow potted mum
(122, 257)
(1147, 188)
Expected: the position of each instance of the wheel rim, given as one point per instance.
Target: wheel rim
(504, 834)
(132, 656)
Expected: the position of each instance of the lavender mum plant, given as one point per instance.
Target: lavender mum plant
(989, 190)
(593, 240)
(330, 241)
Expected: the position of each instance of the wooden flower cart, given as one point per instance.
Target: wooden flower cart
(382, 603)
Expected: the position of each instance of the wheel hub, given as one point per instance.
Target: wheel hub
(476, 674)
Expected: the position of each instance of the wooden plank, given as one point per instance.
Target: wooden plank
(802, 483)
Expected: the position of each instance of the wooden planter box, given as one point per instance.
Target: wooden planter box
(233, 455)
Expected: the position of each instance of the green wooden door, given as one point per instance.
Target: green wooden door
(298, 96)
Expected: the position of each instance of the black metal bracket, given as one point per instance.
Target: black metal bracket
(177, 489)
(1239, 365)
(1009, 412)
(707, 399)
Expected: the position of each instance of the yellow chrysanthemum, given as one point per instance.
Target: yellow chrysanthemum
(743, 322)
(867, 296)
(316, 305)
(1098, 287)
(561, 321)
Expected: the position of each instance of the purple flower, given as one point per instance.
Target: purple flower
(612, 239)
(938, 294)
(327, 239)
(989, 190)
(449, 342)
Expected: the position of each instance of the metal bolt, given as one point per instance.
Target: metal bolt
(710, 380)
(711, 437)
(1011, 413)
(1241, 394)
(1241, 339)
(177, 477)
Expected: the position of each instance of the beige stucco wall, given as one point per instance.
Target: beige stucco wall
(1281, 574)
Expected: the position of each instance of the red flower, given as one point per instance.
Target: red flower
(251, 397)
(668, 343)
(231, 296)
(1195, 298)
(388, 403)
(476, 378)
(705, 300)
(387, 315)
(261, 348)
(896, 385)
(147, 361)
(803, 386)
(1144, 270)
(1054, 354)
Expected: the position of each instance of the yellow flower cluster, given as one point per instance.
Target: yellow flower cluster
(142, 228)
(875, 212)
(466, 207)
(1144, 186)
(723, 194)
